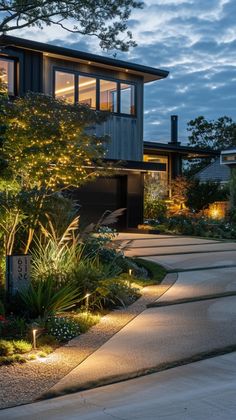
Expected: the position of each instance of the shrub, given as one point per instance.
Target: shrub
(42, 354)
(201, 195)
(21, 346)
(47, 340)
(113, 293)
(14, 327)
(86, 320)
(63, 328)
(155, 208)
(86, 276)
(6, 348)
(10, 360)
(32, 357)
(46, 349)
(44, 299)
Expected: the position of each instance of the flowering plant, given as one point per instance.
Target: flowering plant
(63, 328)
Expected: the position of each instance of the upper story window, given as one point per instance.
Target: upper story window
(97, 93)
(127, 101)
(65, 86)
(7, 78)
(87, 91)
(108, 96)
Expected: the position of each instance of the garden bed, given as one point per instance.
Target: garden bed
(23, 383)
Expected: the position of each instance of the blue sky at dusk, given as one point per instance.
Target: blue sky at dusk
(195, 40)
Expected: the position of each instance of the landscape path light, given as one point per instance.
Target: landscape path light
(87, 301)
(34, 339)
(130, 275)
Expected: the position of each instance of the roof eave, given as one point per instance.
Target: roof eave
(149, 74)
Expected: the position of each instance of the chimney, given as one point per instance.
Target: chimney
(174, 130)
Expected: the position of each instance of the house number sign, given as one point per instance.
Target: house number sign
(18, 272)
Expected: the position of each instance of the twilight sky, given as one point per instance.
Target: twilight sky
(195, 40)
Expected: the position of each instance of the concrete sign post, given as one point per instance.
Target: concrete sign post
(18, 272)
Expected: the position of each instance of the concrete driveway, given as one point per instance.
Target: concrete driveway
(199, 391)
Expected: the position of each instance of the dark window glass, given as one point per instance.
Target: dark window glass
(65, 86)
(108, 96)
(87, 91)
(7, 75)
(127, 102)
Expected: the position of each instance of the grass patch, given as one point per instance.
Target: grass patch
(156, 272)
(86, 320)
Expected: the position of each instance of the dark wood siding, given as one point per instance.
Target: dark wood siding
(126, 132)
(33, 71)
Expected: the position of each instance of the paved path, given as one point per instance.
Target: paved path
(199, 391)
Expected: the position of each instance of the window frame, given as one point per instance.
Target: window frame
(98, 77)
(15, 73)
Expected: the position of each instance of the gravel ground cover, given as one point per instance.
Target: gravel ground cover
(21, 384)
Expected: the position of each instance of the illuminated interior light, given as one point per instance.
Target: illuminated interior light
(69, 88)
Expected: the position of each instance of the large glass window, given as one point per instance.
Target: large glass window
(87, 91)
(7, 75)
(65, 86)
(156, 183)
(100, 94)
(127, 99)
(108, 96)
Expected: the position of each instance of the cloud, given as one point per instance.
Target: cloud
(195, 40)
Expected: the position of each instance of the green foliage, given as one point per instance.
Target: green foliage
(63, 328)
(209, 134)
(10, 360)
(13, 327)
(154, 209)
(218, 134)
(52, 144)
(105, 20)
(113, 293)
(53, 152)
(46, 350)
(86, 320)
(6, 348)
(47, 340)
(44, 298)
(21, 346)
(156, 272)
(200, 226)
(201, 195)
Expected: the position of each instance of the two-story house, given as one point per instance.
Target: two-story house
(105, 84)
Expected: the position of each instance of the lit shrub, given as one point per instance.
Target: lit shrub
(21, 346)
(6, 348)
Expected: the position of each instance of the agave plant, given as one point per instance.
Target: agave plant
(45, 299)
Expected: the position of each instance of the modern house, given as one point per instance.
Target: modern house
(104, 84)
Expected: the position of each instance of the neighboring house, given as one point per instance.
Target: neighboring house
(104, 84)
(215, 172)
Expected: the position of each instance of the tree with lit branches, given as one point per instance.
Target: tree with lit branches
(46, 149)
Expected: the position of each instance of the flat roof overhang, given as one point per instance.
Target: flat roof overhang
(130, 165)
(149, 74)
(185, 151)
